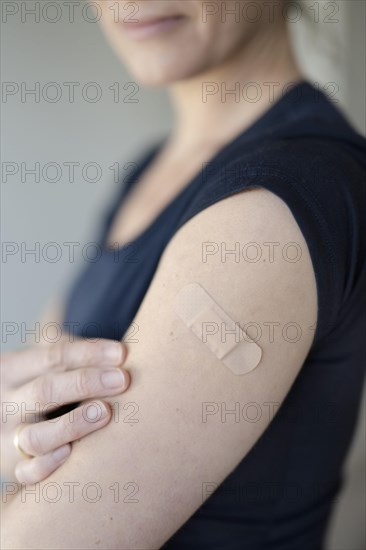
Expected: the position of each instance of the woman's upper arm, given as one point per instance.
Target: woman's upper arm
(134, 483)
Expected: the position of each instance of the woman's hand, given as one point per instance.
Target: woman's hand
(36, 382)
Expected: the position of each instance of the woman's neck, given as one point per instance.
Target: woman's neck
(215, 106)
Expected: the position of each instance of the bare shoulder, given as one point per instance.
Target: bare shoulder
(249, 251)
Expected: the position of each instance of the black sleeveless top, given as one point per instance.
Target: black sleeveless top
(302, 149)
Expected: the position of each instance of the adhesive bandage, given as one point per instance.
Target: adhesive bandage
(209, 322)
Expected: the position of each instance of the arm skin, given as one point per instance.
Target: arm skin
(170, 452)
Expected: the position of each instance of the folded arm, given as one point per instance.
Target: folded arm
(134, 483)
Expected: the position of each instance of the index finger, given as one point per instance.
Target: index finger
(24, 365)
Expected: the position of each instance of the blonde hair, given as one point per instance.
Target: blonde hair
(317, 31)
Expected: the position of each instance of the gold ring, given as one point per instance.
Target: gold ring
(17, 444)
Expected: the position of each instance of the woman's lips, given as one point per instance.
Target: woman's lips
(149, 28)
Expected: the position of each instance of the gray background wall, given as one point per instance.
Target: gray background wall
(106, 132)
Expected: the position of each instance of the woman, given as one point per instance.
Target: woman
(237, 289)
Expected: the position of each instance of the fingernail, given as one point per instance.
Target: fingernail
(113, 379)
(95, 411)
(19, 474)
(61, 453)
(114, 352)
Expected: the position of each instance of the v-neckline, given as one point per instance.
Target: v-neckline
(245, 135)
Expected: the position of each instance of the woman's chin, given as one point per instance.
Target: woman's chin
(155, 75)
